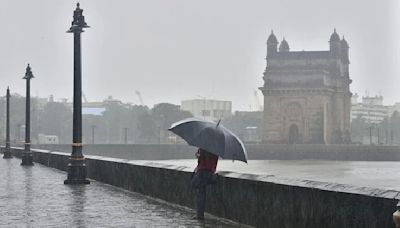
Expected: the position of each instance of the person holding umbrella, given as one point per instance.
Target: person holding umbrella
(203, 175)
(213, 141)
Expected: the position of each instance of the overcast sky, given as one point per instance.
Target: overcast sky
(172, 50)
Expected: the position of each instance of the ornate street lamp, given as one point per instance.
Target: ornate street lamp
(77, 167)
(27, 155)
(7, 151)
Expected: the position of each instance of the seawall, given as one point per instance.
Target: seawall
(260, 201)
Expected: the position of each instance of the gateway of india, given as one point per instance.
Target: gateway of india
(307, 94)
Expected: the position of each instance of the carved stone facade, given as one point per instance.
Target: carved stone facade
(306, 94)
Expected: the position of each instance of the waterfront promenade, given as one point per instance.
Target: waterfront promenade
(36, 197)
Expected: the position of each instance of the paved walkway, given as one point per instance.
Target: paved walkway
(36, 197)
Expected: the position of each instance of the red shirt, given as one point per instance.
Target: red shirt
(207, 161)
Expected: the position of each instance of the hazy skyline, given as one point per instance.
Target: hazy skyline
(176, 50)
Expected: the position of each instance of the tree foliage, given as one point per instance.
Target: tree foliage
(141, 124)
(238, 122)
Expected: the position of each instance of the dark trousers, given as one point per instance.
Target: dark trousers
(199, 182)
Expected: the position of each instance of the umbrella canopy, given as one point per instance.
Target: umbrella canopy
(212, 137)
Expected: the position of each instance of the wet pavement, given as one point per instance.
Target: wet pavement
(36, 197)
(382, 175)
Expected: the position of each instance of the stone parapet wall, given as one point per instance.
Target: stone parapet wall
(255, 151)
(260, 201)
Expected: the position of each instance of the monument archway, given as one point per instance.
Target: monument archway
(293, 134)
(293, 122)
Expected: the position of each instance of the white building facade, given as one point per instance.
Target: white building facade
(371, 109)
(213, 110)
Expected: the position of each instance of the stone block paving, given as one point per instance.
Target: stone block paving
(36, 197)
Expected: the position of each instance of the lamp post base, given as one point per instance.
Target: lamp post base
(76, 182)
(76, 172)
(27, 159)
(7, 154)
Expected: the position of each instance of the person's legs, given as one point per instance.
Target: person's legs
(204, 177)
(200, 202)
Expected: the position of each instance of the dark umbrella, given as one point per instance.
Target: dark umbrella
(212, 137)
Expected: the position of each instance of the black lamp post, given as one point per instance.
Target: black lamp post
(7, 151)
(77, 166)
(27, 155)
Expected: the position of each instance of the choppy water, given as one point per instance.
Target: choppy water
(36, 197)
(375, 174)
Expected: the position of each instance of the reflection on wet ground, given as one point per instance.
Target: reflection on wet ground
(382, 175)
(36, 197)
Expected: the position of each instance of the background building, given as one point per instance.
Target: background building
(371, 109)
(306, 93)
(208, 109)
(47, 139)
(372, 122)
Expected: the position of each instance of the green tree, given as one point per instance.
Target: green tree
(165, 114)
(56, 119)
(238, 122)
(148, 129)
(118, 116)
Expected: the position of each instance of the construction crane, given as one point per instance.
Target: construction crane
(257, 101)
(84, 98)
(140, 97)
